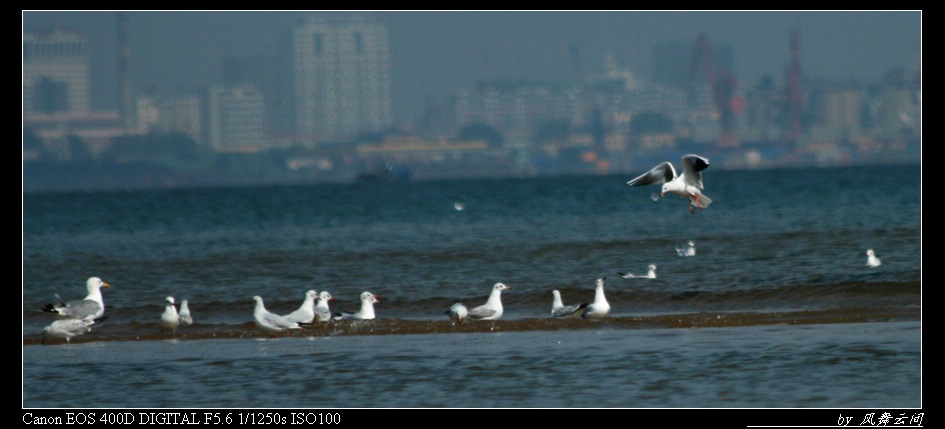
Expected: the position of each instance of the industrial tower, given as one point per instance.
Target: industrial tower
(794, 96)
(722, 84)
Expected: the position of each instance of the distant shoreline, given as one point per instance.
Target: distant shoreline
(68, 180)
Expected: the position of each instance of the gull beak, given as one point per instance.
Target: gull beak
(105, 285)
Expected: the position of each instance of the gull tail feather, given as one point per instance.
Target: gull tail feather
(704, 201)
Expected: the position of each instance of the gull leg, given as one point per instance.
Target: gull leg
(697, 204)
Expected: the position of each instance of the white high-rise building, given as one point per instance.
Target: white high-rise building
(235, 119)
(342, 76)
(56, 74)
(182, 114)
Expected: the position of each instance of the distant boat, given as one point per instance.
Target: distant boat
(388, 174)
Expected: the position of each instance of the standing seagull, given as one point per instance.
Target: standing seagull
(169, 318)
(271, 322)
(322, 313)
(492, 309)
(91, 305)
(599, 308)
(68, 328)
(184, 313)
(366, 312)
(688, 250)
(559, 310)
(458, 313)
(687, 185)
(305, 313)
(650, 274)
(871, 260)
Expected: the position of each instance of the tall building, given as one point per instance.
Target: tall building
(342, 76)
(183, 114)
(266, 74)
(841, 109)
(175, 114)
(235, 119)
(56, 74)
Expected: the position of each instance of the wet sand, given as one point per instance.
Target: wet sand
(151, 331)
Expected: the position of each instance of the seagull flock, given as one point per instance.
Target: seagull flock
(77, 317)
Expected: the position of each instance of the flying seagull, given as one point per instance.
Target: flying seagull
(687, 185)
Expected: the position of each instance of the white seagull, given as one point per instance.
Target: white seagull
(688, 250)
(91, 305)
(271, 322)
(68, 328)
(559, 310)
(305, 313)
(184, 313)
(322, 313)
(599, 308)
(457, 313)
(492, 309)
(871, 260)
(650, 274)
(169, 318)
(687, 185)
(366, 312)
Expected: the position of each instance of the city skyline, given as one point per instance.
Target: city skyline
(435, 55)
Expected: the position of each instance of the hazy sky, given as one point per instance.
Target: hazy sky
(434, 54)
